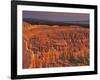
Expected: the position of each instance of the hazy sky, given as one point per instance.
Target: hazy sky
(56, 16)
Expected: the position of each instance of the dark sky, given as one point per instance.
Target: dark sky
(56, 16)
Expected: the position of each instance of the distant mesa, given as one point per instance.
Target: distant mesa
(32, 21)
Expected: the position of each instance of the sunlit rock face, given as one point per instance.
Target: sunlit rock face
(55, 45)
